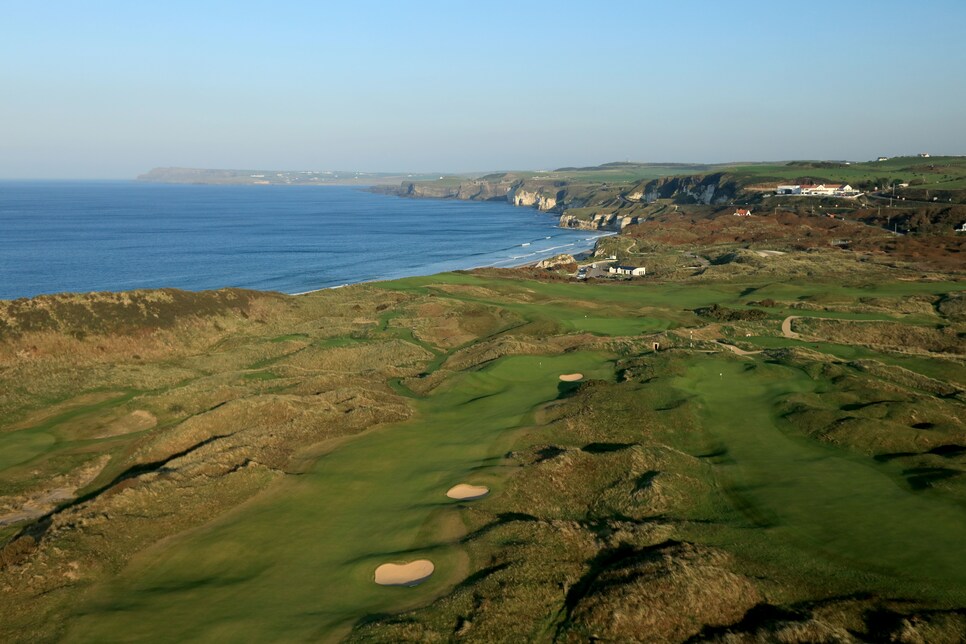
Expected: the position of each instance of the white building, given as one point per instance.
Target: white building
(831, 190)
(635, 271)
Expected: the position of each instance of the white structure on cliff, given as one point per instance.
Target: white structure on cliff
(821, 190)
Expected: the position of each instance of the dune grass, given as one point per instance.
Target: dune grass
(298, 562)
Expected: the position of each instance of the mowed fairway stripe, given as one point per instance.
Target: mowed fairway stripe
(814, 497)
(298, 562)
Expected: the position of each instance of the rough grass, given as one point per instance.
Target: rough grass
(672, 495)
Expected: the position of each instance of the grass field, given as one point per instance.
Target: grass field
(810, 497)
(298, 563)
(623, 172)
(947, 173)
(299, 443)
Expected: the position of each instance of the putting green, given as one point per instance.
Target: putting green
(298, 562)
(814, 497)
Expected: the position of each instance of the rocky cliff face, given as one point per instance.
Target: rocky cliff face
(603, 221)
(559, 262)
(517, 191)
(475, 189)
(532, 198)
(559, 196)
(708, 189)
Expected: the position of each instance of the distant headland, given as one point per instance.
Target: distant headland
(280, 177)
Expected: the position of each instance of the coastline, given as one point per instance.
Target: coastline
(529, 262)
(202, 238)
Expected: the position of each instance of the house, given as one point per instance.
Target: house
(882, 159)
(743, 212)
(788, 190)
(831, 190)
(822, 190)
(962, 229)
(924, 155)
(627, 270)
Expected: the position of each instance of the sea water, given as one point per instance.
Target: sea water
(122, 235)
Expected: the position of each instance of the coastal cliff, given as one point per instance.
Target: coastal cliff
(579, 204)
(532, 198)
(501, 187)
(710, 189)
(559, 196)
(482, 189)
(600, 221)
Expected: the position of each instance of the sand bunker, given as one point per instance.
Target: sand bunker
(410, 574)
(467, 492)
(571, 377)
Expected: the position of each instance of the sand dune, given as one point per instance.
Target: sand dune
(410, 574)
(137, 421)
(467, 492)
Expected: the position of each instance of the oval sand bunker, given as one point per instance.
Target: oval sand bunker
(466, 492)
(571, 377)
(410, 574)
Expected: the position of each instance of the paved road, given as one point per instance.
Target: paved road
(898, 201)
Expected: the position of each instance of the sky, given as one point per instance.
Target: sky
(103, 89)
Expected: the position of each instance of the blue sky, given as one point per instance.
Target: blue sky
(104, 89)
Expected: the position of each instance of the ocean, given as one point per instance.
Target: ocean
(122, 235)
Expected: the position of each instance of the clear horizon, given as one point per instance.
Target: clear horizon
(110, 90)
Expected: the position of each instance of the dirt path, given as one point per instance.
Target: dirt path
(787, 327)
(37, 507)
(629, 250)
(737, 351)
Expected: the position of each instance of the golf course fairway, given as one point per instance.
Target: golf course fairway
(298, 562)
(813, 497)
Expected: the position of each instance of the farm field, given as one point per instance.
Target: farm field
(936, 172)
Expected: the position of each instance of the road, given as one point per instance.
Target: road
(900, 201)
